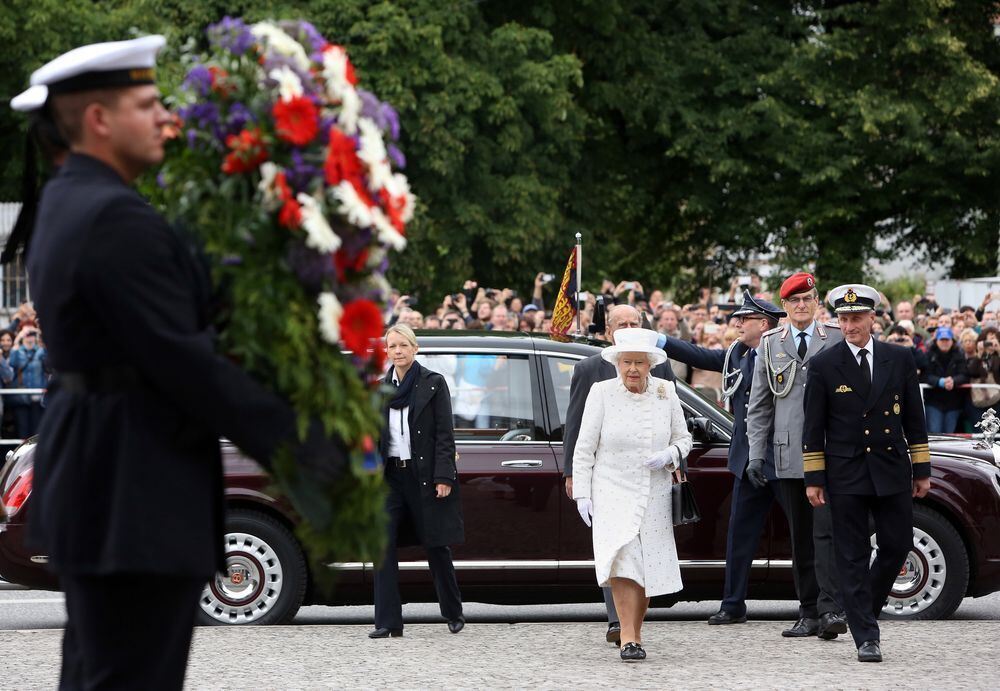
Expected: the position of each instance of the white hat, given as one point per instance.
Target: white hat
(101, 65)
(635, 341)
(32, 98)
(853, 297)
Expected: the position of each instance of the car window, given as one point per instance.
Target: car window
(561, 373)
(490, 394)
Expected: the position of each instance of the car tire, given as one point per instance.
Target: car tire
(265, 579)
(934, 578)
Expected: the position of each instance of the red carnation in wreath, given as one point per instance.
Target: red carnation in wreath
(296, 121)
(247, 152)
(360, 326)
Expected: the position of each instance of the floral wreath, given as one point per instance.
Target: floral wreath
(287, 172)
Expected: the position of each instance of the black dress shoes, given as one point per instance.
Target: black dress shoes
(724, 617)
(831, 624)
(632, 652)
(870, 652)
(806, 626)
(385, 633)
(456, 625)
(614, 634)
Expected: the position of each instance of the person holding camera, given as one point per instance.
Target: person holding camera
(984, 368)
(28, 362)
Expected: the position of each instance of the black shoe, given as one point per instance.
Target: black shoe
(456, 625)
(804, 627)
(632, 652)
(614, 634)
(385, 633)
(724, 617)
(870, 652)
(831, 624)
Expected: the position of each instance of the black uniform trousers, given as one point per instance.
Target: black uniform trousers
(748, 515)
(404, 504)
(108, 647)
(812, 547)
(865, 587)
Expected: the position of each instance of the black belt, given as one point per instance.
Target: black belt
(114, 379)
(397, 462)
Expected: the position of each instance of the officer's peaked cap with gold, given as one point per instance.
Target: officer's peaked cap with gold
(757, 307)
(101, 66)
(853, 297)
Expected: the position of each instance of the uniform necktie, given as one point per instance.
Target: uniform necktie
(866, 374)
(802, 345)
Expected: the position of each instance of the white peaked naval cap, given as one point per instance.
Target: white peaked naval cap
(30, 99)
(101, 65)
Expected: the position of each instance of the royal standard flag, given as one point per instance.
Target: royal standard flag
(564, 311)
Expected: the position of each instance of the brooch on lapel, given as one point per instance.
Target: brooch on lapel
(661, 392)
(843, 388)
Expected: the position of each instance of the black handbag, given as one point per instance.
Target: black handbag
(683, 503)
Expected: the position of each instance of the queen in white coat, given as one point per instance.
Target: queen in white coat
(632, 439)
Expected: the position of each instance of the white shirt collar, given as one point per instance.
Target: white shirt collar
(855, 349)
(808, 331)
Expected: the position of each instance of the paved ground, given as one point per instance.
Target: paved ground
(687, 654)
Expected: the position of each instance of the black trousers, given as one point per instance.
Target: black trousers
(813, 553)
(108, 644)
(404, 504)
(865, 588)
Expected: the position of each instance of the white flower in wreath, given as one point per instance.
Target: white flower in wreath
(350, 111)
(401, 188)
(281, 43)
(319, 234)
(289, 84)
(330, 311)
(268, 172)
(351, 206)
(387, 234)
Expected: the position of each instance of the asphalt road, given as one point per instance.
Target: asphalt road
(535, 646)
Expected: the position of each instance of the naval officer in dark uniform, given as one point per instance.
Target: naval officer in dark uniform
(751, 503)
(128, 496)
(865, 453)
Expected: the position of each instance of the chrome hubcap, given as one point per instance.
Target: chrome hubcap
(921, 578)
(250, 585)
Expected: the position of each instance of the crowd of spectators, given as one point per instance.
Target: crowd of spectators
(23, 365)
(952, 348)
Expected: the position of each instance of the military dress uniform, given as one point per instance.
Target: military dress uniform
(777, 410)
(750, 505)
(865, 441)
(128, 484)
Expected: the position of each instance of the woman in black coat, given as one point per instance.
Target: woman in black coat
(947, 370)
(424, 507)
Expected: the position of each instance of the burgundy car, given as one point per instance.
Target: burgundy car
(525, 542)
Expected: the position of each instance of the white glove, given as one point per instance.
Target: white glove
(669, 458)
(586, 509)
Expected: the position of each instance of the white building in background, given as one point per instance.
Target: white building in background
(13, 278)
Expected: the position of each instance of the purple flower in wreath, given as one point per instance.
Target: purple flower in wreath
(232, 35)
(300, 173)
(199, 80)
(238, 117)
(396, 155)
(312, 268)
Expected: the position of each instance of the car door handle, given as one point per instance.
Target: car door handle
(521, 464)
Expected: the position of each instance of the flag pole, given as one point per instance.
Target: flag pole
(579, 287)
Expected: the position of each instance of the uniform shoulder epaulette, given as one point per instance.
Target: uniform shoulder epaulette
(775, 330)
(832, 324)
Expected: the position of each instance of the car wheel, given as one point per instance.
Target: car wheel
(265, 577)
(933, 579)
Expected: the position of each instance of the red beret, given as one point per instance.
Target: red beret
(797, 283)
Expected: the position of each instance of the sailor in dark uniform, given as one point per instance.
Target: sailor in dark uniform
(865, 452)
(751, 504)
(128, 496)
